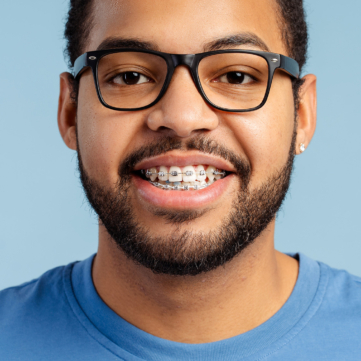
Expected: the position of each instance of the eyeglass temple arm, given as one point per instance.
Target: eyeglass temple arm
(290, 66)
(80, 64)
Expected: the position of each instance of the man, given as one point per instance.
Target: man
(186, 159)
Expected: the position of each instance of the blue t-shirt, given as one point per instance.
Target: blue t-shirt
(61, 317)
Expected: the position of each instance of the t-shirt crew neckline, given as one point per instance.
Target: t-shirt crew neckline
(130, 343)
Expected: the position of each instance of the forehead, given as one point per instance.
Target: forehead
(185, 26)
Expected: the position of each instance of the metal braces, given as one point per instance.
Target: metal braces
(177, 188)
(187, 173)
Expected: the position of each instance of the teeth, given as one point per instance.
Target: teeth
(196, 185)
(163, 173)
(186, 185)
(154, 175)
(183, 186)
(175, 174)
(201, 174)
(187, 178)
(189, 174)
(210, 172)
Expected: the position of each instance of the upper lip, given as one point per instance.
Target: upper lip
(182, 159)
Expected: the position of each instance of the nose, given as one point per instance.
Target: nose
(182, 109)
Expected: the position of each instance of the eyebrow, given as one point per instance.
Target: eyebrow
(226, 42)
(119, 43)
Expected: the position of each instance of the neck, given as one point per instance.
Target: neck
(220, 304)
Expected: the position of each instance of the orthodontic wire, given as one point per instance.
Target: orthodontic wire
(187, 173)
(169, 187)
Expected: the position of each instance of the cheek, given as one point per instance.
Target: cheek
(265, 135)
(105, 136)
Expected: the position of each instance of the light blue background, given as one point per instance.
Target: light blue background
(44, 218)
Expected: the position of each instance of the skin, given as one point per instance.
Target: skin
(252, 287)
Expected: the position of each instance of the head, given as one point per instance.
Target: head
(187, 232)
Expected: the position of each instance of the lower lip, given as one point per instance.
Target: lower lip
(182, 199)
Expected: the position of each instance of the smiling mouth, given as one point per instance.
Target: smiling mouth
(191, 177)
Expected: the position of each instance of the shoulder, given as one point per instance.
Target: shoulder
(38, 321)
(335, 321)
(343, 286)
(336, 301)
(343, 293)
(24, 298)
(32, 312)
(338, 316)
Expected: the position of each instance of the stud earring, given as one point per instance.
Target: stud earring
(302, 147)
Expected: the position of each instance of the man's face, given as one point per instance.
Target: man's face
(181, 130)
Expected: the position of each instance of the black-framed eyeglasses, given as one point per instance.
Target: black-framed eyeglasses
(228, 80)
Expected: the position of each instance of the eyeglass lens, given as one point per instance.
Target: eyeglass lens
(235, 81)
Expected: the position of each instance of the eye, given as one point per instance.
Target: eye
(235, 77)
(130, 78)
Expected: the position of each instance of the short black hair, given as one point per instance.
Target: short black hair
(291, 19)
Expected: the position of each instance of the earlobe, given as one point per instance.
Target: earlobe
(67, 112)
(307, 113)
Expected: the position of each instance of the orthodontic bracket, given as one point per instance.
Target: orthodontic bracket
(186, 187)
(187, 173)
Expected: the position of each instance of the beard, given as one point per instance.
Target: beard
(187, 252)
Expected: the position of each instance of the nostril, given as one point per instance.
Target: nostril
(164, 128)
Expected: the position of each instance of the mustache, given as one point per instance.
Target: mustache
(201, 143)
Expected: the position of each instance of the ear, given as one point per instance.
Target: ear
(307, 112)
(67, 112)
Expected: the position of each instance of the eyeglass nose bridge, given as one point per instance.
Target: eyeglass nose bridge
(183, 59)
(190, 61)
